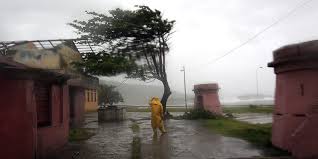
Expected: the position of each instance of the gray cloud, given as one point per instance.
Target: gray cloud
(205, 30)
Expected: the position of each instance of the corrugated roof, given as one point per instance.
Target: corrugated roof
(80, 45)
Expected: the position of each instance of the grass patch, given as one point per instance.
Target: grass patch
(135, 127)
(136, 148)
(249, 109)
(80, 134)
(257, 134)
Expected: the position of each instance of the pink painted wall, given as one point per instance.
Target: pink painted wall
(296, 99)
(77, 102)
(210, 97)
(52, 138)
(289, 98)
(20, 136)
(211, 102)
(283, 128)
(304, 140)
(17, 120)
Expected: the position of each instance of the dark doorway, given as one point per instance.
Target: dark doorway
(199, 101)
(72, 92)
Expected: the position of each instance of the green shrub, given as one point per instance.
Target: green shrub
(252, 106)
(199, 114)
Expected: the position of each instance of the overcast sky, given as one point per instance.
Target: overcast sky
(205, 30)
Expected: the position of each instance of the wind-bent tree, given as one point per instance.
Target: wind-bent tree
(107, 95)
(138, 39)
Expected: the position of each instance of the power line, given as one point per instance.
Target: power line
(262, 31)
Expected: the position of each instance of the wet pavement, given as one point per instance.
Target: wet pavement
(254, 118)
(185, 140)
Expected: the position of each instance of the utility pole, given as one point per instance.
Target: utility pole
(185, 88)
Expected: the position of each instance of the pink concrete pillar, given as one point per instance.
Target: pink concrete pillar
(207, 98)
(296, 99)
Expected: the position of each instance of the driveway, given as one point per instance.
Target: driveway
(185, 140)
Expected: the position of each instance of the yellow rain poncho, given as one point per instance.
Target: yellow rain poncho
(156, 115)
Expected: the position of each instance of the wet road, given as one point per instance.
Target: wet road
(254, 118)
(185, 140)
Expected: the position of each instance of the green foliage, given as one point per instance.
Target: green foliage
(104, 64)
(136, 39)
(135, 42)
(199, 114)
(108, 95)
(252, 106)
(257, 134)
(80, 134)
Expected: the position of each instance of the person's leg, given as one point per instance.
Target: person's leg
(154, 127)
(154, 131)
(162, 127)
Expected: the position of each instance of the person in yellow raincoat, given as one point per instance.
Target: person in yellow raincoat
(156, 115)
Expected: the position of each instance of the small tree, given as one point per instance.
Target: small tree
(107, 95)
(139, 38)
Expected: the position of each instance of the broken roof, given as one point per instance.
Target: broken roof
(21, 71)
(82, 46)
(79, 45)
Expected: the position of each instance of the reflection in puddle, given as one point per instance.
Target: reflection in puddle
(134, 139)
(160, 146)
(136, 148)
(136, 143)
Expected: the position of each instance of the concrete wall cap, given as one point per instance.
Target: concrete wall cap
(300, 49)
(208, 86)
(305, 51)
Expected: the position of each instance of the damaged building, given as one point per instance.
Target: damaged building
(42, 96)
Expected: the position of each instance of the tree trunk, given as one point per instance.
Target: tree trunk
(165, 96)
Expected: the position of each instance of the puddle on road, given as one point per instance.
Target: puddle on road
(136, 142)
(254, 118)
(136, 148)
(160, 147)
(134, 139)
(135, 127)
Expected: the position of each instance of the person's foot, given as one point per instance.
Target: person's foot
(163, 134)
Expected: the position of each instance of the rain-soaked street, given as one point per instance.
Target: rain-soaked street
(185, 140)
(254, 118)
